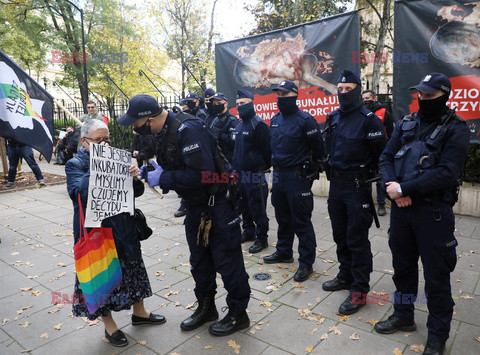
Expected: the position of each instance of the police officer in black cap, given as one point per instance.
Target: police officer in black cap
(355, 139)
(296, 142)
(251, 158)
(192, 101)
(421, 166)
(209, 109)
(186, 149)
(223, 125)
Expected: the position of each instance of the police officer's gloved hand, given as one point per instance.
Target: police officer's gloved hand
(153, 176)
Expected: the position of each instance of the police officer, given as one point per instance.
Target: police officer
(251, 158)
(295, 140)
(186, 148)
(192, 101)
(191, 105)
(223, 125)
(369, 99)
(209, 109)
(421, 166)
(355, 139)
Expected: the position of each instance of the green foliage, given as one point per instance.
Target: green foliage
(23, 35)
(275, 14)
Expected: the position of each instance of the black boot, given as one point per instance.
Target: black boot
(393, 323)
(434, 348)
(206, 312)
(230, 324)
(336, 284)
(349, 306)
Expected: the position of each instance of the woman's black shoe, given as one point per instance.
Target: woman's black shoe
(152, 319)
(117, 338)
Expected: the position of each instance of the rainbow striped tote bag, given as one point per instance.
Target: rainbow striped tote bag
(96, 263)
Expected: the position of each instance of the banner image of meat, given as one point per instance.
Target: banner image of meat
(26, 109)
(438, 36)
(312, 55)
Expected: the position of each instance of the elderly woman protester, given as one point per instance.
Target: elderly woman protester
(135, 285)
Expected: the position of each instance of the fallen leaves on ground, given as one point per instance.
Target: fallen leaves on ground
(191, 305)
(372, 321)
(309, 349)
(44, 336)
(208, 347)
(343, 318)
(265, 304)
(236, 347)
(24, 324)
(313, 331)
(58, 326)
(142, 342)
(418, 348)
(397, 351)
(24, 309)
(334, 329)
(26, 288)
(324, 336)
(467, 297)
(354, 336)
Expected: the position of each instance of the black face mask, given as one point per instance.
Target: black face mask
(218, 108)
(351, 100)
(246, 111)
(287, 104)
(369, 104)
(210, 108)
(191, 105)
(144, 130)
(431, 110)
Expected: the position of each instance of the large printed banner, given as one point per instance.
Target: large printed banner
(445, 35)
(312, 55)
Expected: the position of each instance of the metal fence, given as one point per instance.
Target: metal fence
(121, 137)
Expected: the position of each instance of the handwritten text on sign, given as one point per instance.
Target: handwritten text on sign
(110, 190)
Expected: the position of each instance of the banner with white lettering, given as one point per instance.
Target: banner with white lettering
(449, 33)
(110, 190)
(311, 54)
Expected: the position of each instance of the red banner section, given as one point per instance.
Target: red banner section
(312, 100)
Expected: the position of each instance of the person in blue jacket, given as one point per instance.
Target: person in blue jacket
(135, 286)
(355, 139)
(188, 161)
(251, 158)
(223, 125)
(421, 166)
(296, 145)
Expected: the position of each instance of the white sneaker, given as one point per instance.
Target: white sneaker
(41, 182)
(9, 184)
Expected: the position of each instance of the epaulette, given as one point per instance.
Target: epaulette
(366, 111)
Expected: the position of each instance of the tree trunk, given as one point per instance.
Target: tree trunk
(380, 47)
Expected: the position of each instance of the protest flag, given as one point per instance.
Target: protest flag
(26, 109)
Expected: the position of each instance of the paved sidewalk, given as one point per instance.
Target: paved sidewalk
(286, 317)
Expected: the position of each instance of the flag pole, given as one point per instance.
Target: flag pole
(64, 109)
(3, 153)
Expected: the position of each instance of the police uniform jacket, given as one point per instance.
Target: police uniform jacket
(354, 139)
(194, 155)
(252, 145)
(223, 126)
(421, 163)
(295, 138)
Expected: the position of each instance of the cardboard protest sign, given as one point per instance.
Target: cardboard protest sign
(110, 190)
